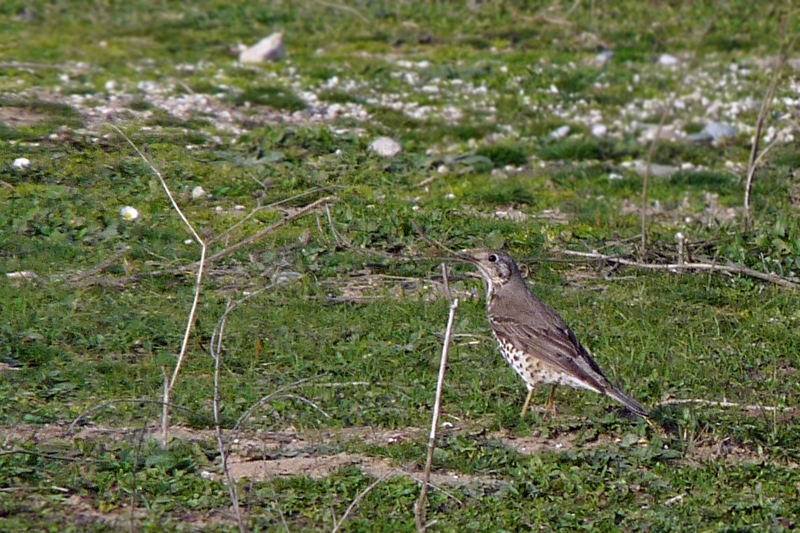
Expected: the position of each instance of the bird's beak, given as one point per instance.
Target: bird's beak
(466, 258)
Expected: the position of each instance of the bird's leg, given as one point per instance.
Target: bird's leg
(527, 403)
(551, 403)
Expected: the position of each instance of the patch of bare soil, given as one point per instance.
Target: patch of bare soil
(565, 441)
(263, 455)
(17, 116)
(79, 512)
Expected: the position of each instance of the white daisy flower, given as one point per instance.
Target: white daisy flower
(129, 213)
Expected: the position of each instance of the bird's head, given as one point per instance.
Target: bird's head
(497, 268)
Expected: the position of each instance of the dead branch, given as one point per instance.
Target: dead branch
(724, 403)
(102, 266)
(419, 510)
(682, 267)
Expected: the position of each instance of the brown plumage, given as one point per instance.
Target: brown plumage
(534, 339)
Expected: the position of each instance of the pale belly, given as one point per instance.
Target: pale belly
(534, 372)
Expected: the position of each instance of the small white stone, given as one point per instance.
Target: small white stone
(188, 241)
(599, 130)
(442, 169)
(111, 85)
(219, 209)
(559, 133)
(614, 176)
(22, 274)
(267, 49)
(386, 147)
(198, 192)
(239, 208)
(21, 163)
(449, 196)
(667, 60)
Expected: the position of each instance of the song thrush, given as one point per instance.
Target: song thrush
(534, 339)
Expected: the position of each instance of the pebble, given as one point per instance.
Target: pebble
(559, 133)
(267, 49)
(599, 130)
(386, 147)
(715, 131)
(198, 193)
(21, 163)
(667, 60)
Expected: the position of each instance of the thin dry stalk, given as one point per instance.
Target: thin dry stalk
(683, 267)
(216, 353)
(654, 144)
(198, 284)
(261, 208)
(228, 251)
(419, 510)
(356, 501)
(755, 157)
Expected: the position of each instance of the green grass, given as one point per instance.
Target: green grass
(350, 323)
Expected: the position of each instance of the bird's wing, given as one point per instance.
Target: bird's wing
(557, 347)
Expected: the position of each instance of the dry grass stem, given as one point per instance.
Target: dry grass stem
(356, 501)
(657, 137)
(419, 510)
(216, 352)
(198, 284)
(683, 267)
(755, 156)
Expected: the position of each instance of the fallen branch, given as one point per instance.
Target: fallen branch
(102, 266)
(419, 510)
(724, 403)
(680, 267)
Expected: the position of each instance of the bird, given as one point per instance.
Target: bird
(534, 339)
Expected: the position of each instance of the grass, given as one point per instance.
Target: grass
(351, 320)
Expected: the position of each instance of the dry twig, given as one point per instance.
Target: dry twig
(228, 251)
(419, 510)
(724, 403)
(356, 501)
(102, 266)
(168, 386)
(755, 157)
(682, 267)
(216, 352)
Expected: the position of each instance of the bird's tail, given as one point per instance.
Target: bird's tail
(632, 405)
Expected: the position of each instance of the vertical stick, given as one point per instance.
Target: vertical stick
(419, 511)
(762, 116)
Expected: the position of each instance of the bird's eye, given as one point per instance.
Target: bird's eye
(492, 258)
